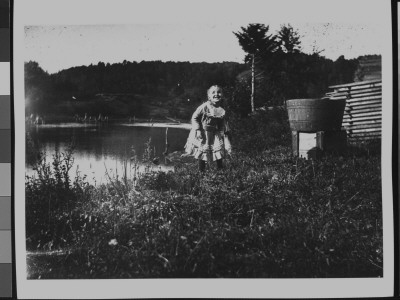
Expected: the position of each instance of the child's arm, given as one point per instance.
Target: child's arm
(196, 122)
(196, 118)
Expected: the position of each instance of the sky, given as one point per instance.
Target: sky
(57, 47)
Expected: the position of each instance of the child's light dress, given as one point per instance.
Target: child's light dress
(214, 144)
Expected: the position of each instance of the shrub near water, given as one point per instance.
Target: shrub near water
(266, 215)
(51, 198)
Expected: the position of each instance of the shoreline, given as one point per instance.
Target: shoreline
(162, 125)
(187, 126)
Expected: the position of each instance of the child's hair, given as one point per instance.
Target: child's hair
(213, 86)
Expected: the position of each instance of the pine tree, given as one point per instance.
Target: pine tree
(289, 39)
(256, 42)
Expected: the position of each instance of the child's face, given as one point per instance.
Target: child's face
(215, 95)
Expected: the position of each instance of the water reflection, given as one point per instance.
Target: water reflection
(98, 149)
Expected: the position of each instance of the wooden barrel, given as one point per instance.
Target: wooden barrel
(311, 115)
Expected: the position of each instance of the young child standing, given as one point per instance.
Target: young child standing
(208, 140)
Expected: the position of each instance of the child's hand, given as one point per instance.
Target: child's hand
(199, 135)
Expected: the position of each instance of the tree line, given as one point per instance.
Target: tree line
(275, 69)
(163, 81)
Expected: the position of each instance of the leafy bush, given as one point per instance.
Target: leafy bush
(51, 197)
(261, 131)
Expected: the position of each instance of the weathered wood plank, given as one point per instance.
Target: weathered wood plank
(348, 112)
(371, 103)
(365, 135)
(357, 134)
(357, 111)
(349, 123)
(355, 106)
(349, 128)
(371, 66)
(372, 115)
(338, 96)
(362, 126)
(370, 120)
(356, 90)
(355, 140)
(363, 118)
(353, 100)
(353, 131)
(356, 93)
(363, 114)
(355, 84)
(360, 123)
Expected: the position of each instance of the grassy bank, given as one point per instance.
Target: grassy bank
(267, 214)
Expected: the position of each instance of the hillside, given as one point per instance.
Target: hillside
(145, 89)
(155, 89)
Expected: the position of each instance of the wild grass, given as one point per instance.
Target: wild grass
(266, 215)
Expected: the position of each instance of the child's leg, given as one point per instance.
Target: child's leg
(210, 137)
(202, 165)
(219, 164)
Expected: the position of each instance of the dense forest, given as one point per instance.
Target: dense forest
(158, 89)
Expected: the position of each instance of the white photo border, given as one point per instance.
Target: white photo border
(82, 12)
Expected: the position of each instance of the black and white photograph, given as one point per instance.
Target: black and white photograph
(203, 148)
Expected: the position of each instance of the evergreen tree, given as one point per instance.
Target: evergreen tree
(289, 39)
(256, 42)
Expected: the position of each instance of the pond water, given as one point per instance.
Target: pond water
(101, 149)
